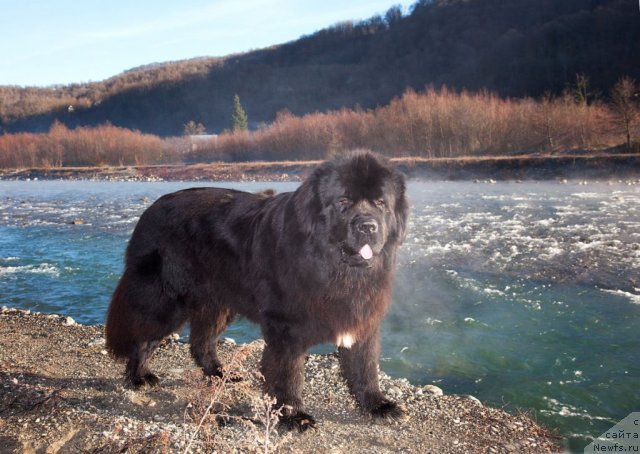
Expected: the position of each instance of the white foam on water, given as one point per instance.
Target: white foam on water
(632, 297)
(586, 236)
(546, 222)
(43, 268)
(555, 407)
(551, 252)
(473, 322)
(587, 195)
(493, 291)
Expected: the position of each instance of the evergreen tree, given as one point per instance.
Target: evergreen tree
(239, 120)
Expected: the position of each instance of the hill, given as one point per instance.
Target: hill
(518, 48)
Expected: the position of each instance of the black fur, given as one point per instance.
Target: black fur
(289, 262)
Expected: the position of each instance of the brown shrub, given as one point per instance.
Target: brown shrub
(103, 145)
(432, 124)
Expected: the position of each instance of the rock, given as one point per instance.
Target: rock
(97, 342)
(68, 321)
(475, 400)
(433, 390)
(395, 392)
(140, 399)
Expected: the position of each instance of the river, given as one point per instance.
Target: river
(525, 295)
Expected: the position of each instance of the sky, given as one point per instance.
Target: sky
(49, 42)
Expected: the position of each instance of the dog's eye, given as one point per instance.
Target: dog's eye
(380, 203)
(344, 201)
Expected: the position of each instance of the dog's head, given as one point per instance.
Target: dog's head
(359, 205)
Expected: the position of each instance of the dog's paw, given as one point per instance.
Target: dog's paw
(218, 372)
(151, 379)
(390, 411)
(299, 421)
(140, 381)
(233, 377)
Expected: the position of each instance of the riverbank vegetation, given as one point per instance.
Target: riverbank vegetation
(435, 123)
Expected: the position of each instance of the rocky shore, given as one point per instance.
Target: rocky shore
(604, 166)
(61, 392)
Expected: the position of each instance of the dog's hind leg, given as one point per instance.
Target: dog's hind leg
(206, 326)
(137, 372)
(148, 338)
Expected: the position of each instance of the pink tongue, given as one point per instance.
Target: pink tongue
(366, 252)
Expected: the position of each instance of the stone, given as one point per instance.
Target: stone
(433, 390)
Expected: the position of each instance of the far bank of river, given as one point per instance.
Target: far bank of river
(588, 167)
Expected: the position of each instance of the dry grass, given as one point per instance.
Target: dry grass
(212, 407)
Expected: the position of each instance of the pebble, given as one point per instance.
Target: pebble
(394, 391)
(475, 400)
(96, 342)
(433, 390)
(140, 399)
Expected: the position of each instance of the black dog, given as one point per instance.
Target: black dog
(311, 266)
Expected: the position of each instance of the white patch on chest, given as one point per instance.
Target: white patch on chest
(345, 340)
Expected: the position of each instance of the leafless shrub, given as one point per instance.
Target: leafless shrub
(434, 124)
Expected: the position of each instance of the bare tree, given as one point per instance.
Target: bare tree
(623, 103)
(194, 129)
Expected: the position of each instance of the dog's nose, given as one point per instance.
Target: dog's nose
(369, 226)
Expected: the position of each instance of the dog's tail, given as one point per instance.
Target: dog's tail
(118, 331)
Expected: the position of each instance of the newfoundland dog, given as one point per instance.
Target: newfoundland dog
(311, 266)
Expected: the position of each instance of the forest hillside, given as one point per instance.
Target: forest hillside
(519, 48)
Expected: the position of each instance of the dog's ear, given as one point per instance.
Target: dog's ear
(402, 206)
(309, 203)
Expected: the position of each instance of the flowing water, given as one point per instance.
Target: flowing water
(525, 295)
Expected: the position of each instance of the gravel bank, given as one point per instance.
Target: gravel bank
(61, 392)
(602, 166)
